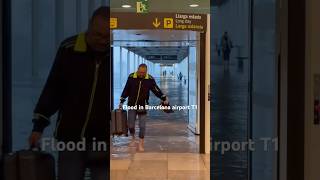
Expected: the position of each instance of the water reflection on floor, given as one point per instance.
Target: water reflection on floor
(229, 116)
(171, 149)
(165, 132)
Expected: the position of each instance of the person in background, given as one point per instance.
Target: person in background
(226, 46)
(137, 89)
(180, 76)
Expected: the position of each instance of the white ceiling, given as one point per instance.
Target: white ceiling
(154, 38)
(157, 35)
(159, 42)
(156, 42)
(179, 51)
(178, 6)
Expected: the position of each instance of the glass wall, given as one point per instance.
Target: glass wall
(124, 63)
(132, 66)
(123, 68)
(193, 89)
(156, 70)
(244, 89)
(183, 68)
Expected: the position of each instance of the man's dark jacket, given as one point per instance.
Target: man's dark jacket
(77, 88)
(138, 90)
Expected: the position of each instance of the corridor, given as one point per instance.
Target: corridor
(171, 149)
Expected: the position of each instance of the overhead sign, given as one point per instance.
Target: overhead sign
(153, 57)
(142, 6)
(169, 21)
(170, 57)
(113, 23)
(164, 65)
(162, 57)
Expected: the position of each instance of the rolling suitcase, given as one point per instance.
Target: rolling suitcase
(119, 124)
(29, 165)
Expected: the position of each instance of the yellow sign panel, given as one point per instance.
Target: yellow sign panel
(168, 23)
(113, 23)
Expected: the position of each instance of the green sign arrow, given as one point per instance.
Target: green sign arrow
(142, 6)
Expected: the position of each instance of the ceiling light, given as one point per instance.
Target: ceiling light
(194, 5)
(126, 6)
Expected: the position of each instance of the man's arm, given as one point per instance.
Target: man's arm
(50, 98)
(156, 91)
(125, 92)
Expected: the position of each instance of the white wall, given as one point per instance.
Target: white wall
(312, 132)
(207, 91)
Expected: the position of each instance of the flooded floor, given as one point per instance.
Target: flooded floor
(171, 149)
(229, 118)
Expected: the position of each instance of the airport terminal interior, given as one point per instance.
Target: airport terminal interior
(171, 141)
(239, 96)
(173, 145)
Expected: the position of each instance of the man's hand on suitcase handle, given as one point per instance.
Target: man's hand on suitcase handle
(166, 102)
(34, 139)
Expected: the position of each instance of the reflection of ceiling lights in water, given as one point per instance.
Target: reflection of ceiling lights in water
(126, 6)
(194, 5)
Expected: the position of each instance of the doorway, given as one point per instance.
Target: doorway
(172, 59)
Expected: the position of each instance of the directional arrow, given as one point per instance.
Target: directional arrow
(156, 23)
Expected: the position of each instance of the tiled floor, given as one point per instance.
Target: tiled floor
(171, 150)
(162, 166)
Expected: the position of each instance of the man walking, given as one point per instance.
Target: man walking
(137, 89)
(77, 89)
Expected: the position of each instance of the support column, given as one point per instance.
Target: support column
(120, 68)
(207, 89)
(5, 80)
(128, 62)
(1, 82)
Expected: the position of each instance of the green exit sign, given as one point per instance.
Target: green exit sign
(142, 6)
